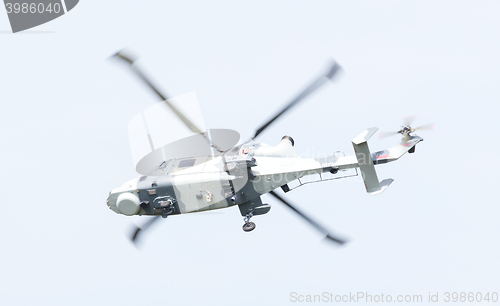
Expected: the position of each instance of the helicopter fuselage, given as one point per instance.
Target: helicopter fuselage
(239, 177)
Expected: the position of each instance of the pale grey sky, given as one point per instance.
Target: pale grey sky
(65, 110)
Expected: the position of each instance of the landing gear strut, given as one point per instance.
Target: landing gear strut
(248, 226)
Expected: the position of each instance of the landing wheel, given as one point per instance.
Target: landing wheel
(249, 226)
(166, 212)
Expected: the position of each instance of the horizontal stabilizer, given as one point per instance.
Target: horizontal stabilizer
(383, 185)
(394, 153)
(363, 137)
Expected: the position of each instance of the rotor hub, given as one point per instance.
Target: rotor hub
(406, 130)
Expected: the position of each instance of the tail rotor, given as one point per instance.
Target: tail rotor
(406, 129)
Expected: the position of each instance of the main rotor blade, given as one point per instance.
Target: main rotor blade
(332, 71)
(312, 222)
(138, 230)
(163, 97)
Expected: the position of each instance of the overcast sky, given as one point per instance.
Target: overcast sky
(65, 110)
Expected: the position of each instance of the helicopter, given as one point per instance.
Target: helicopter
(211, 169)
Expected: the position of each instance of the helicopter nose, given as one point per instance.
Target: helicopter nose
(124, 199)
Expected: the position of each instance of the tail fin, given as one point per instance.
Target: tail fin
(365, 163)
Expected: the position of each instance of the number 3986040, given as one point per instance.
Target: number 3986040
(32, 8)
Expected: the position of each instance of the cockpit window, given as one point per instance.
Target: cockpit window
(186, 163)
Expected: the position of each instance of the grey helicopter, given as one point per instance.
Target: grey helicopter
(211, 169)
